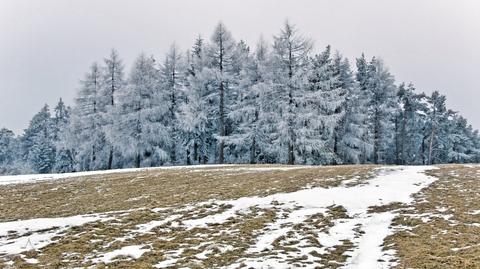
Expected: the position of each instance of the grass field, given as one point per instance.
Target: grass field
(242, 216)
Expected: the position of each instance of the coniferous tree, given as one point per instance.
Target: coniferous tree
(382, 105)
(64, 158)
(436, 120)
(172, 76)
(350, 130)
(140, 130)
(38, 142)
(290, 59)
(248, 138)
(321, 112)
(7, 151)
(195, 116)
(86, 123)
(113, 81)
(221, 57)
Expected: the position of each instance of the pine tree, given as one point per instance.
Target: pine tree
(7, 150)
(382, 104)
(410, 123)
(351, 129)
(64, 158)
(38, 142)
(363, 98)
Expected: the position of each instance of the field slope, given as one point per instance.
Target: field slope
(244, 216)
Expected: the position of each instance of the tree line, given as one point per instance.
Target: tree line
(223, 102)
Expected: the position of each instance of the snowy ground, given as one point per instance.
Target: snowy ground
(342, 226)
(33, 178)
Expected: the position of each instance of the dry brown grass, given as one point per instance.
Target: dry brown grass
(437, 241)
(160, 188)
(431, 240)
(171, 189)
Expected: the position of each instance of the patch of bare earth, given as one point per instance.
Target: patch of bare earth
(163, 199)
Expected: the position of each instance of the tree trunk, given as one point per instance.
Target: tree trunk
(404, 137)
(253, 150)
(110, 159)
(189, 162)
(196, 158)
(430, 145)
(291, 155)
(94, 158)
(173, 154)
(376, 138)
(137, 160)
(221, 125)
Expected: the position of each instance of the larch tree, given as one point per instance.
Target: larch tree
(290, 56)
(140, 129)
(172, 76)
(221, 58)
(86, 123)
(113, 81)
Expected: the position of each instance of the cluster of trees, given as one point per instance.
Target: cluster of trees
(222, 102)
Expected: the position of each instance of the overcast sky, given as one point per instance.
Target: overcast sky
(47, 46)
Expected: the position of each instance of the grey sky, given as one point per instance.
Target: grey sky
(47, 46)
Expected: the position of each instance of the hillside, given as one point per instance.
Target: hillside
(242, 216)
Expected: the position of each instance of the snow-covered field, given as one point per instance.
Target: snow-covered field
(345, 225)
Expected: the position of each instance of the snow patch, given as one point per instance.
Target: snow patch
(32, 178)
(24, 235)
(133, 252)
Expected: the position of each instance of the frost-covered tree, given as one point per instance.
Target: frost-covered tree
(249, 137)
(434, 142)
(351, 128)
(113, 81)
(64, 157)
(460, 144)
(290, 60)
(382, 105)
(195, 115)
(140, 132)
(194, 56)
(8, 153)
(38, 142)
(320, 108)
(363, 97)
(172, 79)
(221, 64)
(87, 134)
(410, 121)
